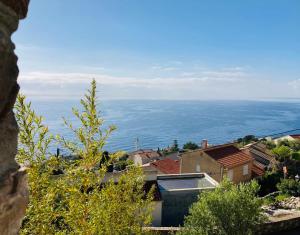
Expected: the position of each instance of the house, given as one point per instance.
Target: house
(258, 169)
(178, 192)
(294, 137)
(218, 162)
(144, 156)
(173, 156)
(263, 157)
(173, 194)
(166, 166)
(150, 183)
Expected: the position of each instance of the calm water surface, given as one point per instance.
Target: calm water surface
(158, 123)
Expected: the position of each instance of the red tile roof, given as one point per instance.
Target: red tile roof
(167, 166)
(295, 136)
(146, 153)
(257, 169)
(228, 155)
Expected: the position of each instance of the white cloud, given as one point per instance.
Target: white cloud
(164, 68)
(72, 78)
(209, 84)
(295, 84)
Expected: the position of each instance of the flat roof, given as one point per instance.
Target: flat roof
(181, 182)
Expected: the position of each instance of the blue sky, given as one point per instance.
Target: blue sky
(161, 49)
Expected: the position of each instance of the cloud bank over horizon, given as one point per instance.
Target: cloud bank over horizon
(234, 83)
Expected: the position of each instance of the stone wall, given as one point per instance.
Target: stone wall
(13, 181)
(280, 225)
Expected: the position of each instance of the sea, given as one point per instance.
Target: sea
(157, 123)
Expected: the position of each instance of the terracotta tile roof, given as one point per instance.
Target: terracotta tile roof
(295, 136)
(167, 166)
(146, 153)
(228, 155)
(260, 153)
(257, 169)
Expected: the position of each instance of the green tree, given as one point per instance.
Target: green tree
(174, 147)
(268, 182)
(296, 156)
(295, 145)
(282, 152)
(247, 140)
(289, 186)
(190, 146)
(228, 210)
(80, 200)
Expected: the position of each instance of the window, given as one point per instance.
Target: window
(230, 175)
(245, 170)
(198, 169)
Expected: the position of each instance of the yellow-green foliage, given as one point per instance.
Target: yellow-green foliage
(78, 201)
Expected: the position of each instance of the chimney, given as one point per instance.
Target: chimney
(204, 144)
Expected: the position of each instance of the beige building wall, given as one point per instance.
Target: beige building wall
(238, 175)
(287, 137)
(197, 161)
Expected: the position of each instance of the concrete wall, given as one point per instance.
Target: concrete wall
(176, 205)
(149, 175)
(157, 214)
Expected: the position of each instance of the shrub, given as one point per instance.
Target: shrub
(270, 144)
(122, 164)
(282, 152)
(247, 140)
(190, 146)
(268, 182)
(289, 186)
(281, 197)
(229, 209)
(78, 201)
(174, 147)
(296, 156)
(295, 145)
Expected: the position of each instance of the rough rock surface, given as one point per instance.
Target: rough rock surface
(290, 203)
(13, 181)
(20, 7)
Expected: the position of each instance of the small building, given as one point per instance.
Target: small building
(178, 192)
(173, 156)
(144, 156)
(263, 157)
(166, 166)
(173, 194)
(219, 161)
(150, 183)
(258, 169)
(295, 137)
